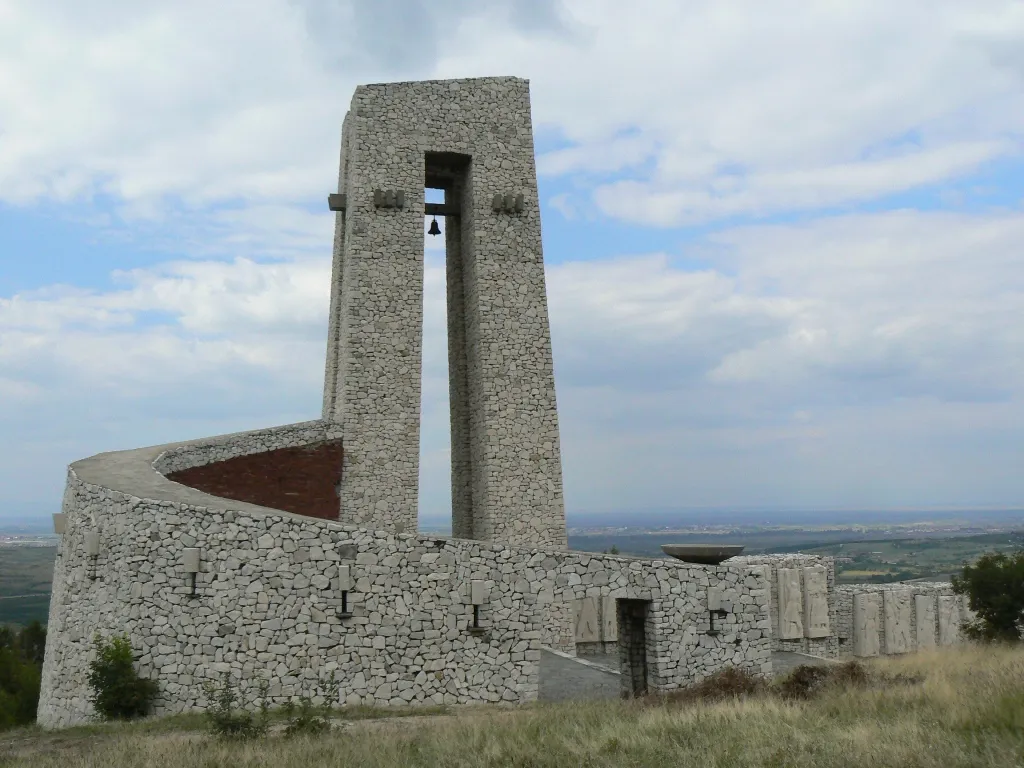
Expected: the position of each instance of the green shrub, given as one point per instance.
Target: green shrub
(32, 642)
(227, 722)
(21, 658)
(808, 680)
(309, 719)
(994, 586)
(19, 689)
(727, 683)
(118, 693)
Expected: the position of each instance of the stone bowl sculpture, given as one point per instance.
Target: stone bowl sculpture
(704, 554)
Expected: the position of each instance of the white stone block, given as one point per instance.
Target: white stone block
(478, 592)
(60, 522)
(949, 620)
(791, 625)
(714, 598)
(344, 578)
(609, 620)
(897, 610)
(816, 619)
(924, 620)
(966, 614)
(585, 620)
(92, 543)
(867, 609)
(190, 560)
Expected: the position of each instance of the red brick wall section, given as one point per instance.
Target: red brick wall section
(302, 480)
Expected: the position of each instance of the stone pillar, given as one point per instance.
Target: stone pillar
(458, 374)
(507, 474)
(334, 314)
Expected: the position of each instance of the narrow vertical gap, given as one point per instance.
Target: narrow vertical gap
(435, 501)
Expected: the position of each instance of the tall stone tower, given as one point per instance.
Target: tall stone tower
(473, 139)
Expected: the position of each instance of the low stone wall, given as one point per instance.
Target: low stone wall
(208, 450)
(888, 619)
(269, 590)
(805, 621)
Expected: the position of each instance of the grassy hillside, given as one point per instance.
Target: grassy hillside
(942, 709)
(858, 558)
(25, 577)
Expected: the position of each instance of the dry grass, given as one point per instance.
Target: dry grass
(941, 709)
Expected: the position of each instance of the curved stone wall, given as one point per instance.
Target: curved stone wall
(268, 594)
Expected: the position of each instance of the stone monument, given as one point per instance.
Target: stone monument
(472, 139)
(924, 608)
(867, 609)
(791, 624)
(816, 621)
(898, 612)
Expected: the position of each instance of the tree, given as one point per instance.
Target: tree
(994, 586)
(32, 642)
(118, 693)
(21, 658)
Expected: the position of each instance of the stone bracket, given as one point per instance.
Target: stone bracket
(336, 202)
(507, 203)
(388, 198)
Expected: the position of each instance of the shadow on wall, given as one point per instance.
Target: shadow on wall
(303, 480)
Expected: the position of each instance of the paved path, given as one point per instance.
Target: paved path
(562, 678)
(30, 594)
(596, 677)
(784, 661)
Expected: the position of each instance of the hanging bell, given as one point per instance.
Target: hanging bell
(434, 229)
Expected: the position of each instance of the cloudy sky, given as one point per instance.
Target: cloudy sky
(784, 240)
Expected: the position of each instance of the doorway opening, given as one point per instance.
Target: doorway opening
(632, 619)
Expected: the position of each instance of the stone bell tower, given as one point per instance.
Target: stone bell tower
(472, 138)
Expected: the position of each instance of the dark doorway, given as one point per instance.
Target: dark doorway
(632, 619)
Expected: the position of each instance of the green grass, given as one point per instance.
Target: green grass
(25, 571)
(950, 708)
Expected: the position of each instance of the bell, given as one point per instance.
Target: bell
(434, 229)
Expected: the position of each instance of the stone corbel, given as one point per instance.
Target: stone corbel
(507, 203)
(388, 198)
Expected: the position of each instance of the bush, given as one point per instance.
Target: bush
(807, 680)
(309, 719)
(994, 586)
(727, 683)
(21, 658)
(32, 642)
(118, 693)
(227, 722)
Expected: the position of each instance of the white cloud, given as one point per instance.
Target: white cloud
(845, 360)
(867, 358)
(710, 111)
(671, 202)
